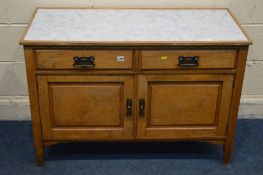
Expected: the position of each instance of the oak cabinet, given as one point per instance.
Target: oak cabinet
(82, 103)
(134, 75)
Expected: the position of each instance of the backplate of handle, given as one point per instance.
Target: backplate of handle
(188, 61)
(129, 107)
(141, 107)
(84, 61)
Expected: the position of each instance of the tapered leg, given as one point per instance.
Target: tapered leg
(227, 153)
(38, 143)
(39, 154)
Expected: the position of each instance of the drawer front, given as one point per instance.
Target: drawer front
(65, 59)
(169, 59)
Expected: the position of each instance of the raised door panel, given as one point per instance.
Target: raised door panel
(184, 106)
(183, 103)
(85, 107)
(86, 104)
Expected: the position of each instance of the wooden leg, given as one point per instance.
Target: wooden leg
(227, 153)
(38, 144)
(242, 57)
(39, 154)
(34, 106)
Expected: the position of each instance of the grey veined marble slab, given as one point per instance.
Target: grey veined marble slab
(134, 25)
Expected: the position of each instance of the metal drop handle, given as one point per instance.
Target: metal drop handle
(129, 107)
(141, 107)
(84, 61)
(188, 61)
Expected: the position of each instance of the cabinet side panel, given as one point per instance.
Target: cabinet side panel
(33, 96)
(238, 83)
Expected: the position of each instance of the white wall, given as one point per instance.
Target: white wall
(15, 14)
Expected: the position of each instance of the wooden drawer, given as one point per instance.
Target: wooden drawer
(103, 59)
(168, 59)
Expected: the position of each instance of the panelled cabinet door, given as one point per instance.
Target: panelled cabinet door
(183, 106)
(86, 107)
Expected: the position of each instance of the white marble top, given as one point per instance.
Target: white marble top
(134, 25)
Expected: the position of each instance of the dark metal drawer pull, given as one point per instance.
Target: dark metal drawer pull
(188, 61)
(84, 61)
(129, 107)
(141, 107)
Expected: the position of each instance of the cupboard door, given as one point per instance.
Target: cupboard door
(86, 107)
(183, 106)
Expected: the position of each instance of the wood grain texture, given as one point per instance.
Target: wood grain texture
(69, 103)
(85, 107)
(63, 59)
(175, 120)
(87, 104)
(163, 59)
(34, 106)
(183, 103)
(238, 83)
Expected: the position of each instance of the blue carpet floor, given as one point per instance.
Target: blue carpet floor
(17, 156)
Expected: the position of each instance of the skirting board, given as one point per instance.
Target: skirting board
(251, 107)
(17, 107)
